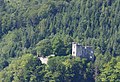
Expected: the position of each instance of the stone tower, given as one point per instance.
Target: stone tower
(76, 49)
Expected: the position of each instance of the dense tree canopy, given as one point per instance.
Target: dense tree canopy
(26, 22)
(111, 71)
(45, 27)
(24, 69)
(44, 47)
(66, 69)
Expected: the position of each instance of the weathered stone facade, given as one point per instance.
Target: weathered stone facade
(82, 51)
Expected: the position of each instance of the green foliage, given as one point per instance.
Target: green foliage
(69, 69)
(58, 46)
(24, 69)
(44, 27)
(3, 63)
(93, 23)
(111, 71)
(44, 47)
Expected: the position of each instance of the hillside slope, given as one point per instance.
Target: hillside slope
(23, 23)
(45, 27)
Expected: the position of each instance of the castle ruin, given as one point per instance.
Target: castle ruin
(82, 51)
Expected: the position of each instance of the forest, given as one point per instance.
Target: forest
(33, 28)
